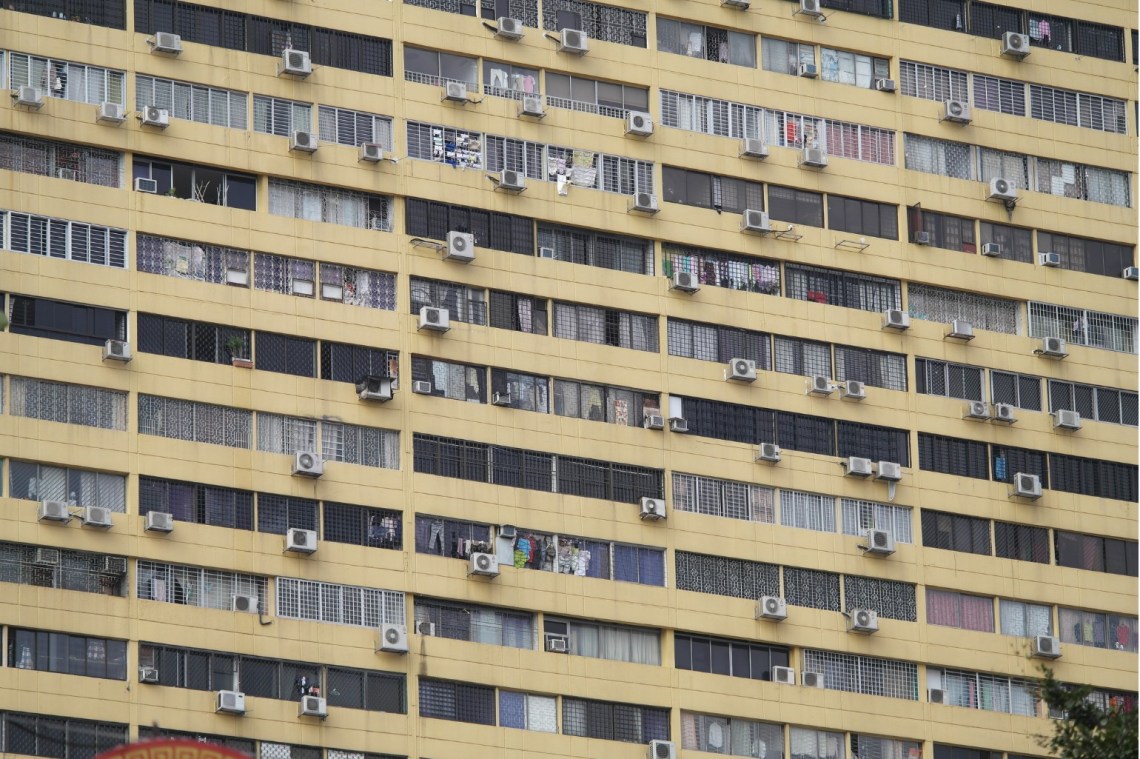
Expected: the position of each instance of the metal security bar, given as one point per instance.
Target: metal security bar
(864, 674)
(64, 569)
(809, 511)
(341, 604)
(995, 693)
(61, 238)
(60, 159)
(811, 588)
(725, 576)
(983, 312)
(190, 420)
(600, 22)
(193, 102)
(724, 498)
(70, 404)
(719, 269)
(66, 79)
(865, 515)
(188, 260)
(358, 287)
(312, 202)
(61, 737)
(347, 127)
(281, 117)
(1083, 327)
(478, 624)
(464, 304)
(78, 487)
(841, 288)
(891, 599)
(194, 586)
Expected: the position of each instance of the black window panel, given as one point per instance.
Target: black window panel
(520, 313)
(497, 231)
(441, 537)
(728, 657)
(875, 443)
(862, 217)
(1016, 243)
(277, 513)
(352, 363)
(1099, 41)
(1008, 462)
(384, 692)
(1095, 553)
(880, 8)
(966, 458)
(460, 702)
(72, 322)
(110, 13)
(994, 20)
(942, 751)
(940, 14)
(1022, 542)
(584, 477)
(448, 457)
(192, 502)
(795, 206)
(811, 588)
(1104, 479)
(285, 354)
(362, 526)
(800, 432)
(954, 532)
(1087, 255)
(729, 421)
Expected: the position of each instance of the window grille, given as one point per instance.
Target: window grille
(285, 434)
(77, 487)
(1082, 254)
(524, 10)
(247, 747)
(1083, 327)
(723, 498)
(1025, 620)
(526, 392)
(850, 68)
(66, 79)
(805, 357)
(873, 442)
(1001, 95)
(358, 287)
(605, 327)
(498, 231)
(457, 701)
(188, 260)
(463, 303)
(1097, 629)
(959, 610)
(703, 190)
(342, 604)
(1105, 185)
(600, 22)
(63, 160)
(636, 645)
(874, 747)
(942, 157)
(525, 157)
(954, 532)
(97, 12)
(193, 102)
(1099, 403)
(355, 444)
(198, 341)
(449, 537)
(520, 313)
(994, 164)
(891, 599)
(983, 312)
(527, 711)
(615, 722)
(60, 320)
(477, 624)
(1018, 390)
(285, 354)
(601, 403)
(995, 693)
(191, 420)
(278, 274)
(435, 68)
(730, 735)
(807, 743)
(194, 586)
(946, 231)
(1021, 542)
(1096, 477)
(715, 342)
(336, 206)
(719, 269)
(277, 514)
(281, 117)
(341, 362)
(578, 93)
(70, 404)
(601, 249)
(1016, 243)
(194, 502)
(948, 380)
(695, 113)
(63, 737)
(342, 126)
(69, 654)
(458, 148)
(871, 367)
(362, 526)
(811, 588)
(76, 570)
(706, 42)
(859, 516)
(724, 576)
(460, 382)
(61, 238)
(721, 656)
(841, 288)
(809, 511)
(864, 674)
(268, 750)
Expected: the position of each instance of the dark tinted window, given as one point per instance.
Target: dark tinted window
(72, 322)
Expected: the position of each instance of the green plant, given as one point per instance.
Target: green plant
(1087, 731)
(236, 346)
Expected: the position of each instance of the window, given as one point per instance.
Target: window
(584, 557)
(795, 206)
(859, 516)
(871, 367)
(61, 238)
(724, 576)
(785, 57)
(1081, 327)
(431, 67)
(520, 313)
(356, 444)
(604, 641)
(614, 722)
(719, 343)
(845, 67)
(873, 442)
(507, 81)
(728, 657)
(527, 392)
(247, 747)
(458, 148)
(527, 711)
(995, 693)
(463, 304)
(695, 188)
(198, 341)
(73, 322)
(77, 487)
(341, 362)
(696, 113)
(199, 183)
(983, 312)
(1102, 404)
(460, 382)
(578, 93)
(841, 288)
(449, 537)
(723, 498)
(277, 514)
(600, 22)
(942, 751)
(188, 260)
(198, 422)
(192, 586)
(62, 160)
(949, 380)
(333, 205)
(891, 599)
(347, 127)
(860, 143)
(965, 612)
(198, 503)
(100, 13)
(707, 42)
(68, 654)
(1021, 542)
(1001, 95)
(362, 526)
(874, 747)
(341, 604)
(811, 588)
(70, 404)
(194, 102)
(1015, 243)
(1018, 390)
(993, 20)
(597, 248)
(601, 403)
(864, 674)
(880, 8)
(76, 570)
(816, 744)
(993, 164)
(920, 80)
(805, 357)
(281, 117)
(719, 269)
(1008, 461)
(953, 532)
(497, 231)
(1094, 553)
(524, 10)
(1071, 180)
(947, 232)
(1096, 629)
(731, 735)
(942, 157)
(358, 287)
(61, 737)
(605, 326)
(285, 434)
(1025, 620)
(65, 79)
(862, 217)
(1082, 254)
(477, 624)
(285, 354)
(809, 511)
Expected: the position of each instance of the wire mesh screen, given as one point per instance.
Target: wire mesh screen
(358, 287)
(60, 159)
(725, 576)
(724, 498)
(874, 368)
(193, 102)
(198, 422)
(362, 526)
(194, 586)
(919, 80)
(60, 238)
(58, 568)
(594, 248)
(193, 502)
(1083, 327)
(891, 599)
(347, 127)
(71, 404)
(983, 312)
(188, 260)
(859, 516)
(864, 674)
(41, 735)
(341, 604)
(841, 288)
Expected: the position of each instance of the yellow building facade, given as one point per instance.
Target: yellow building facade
(588, 367)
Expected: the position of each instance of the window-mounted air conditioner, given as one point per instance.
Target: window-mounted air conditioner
(111, 113)
(1015, 45)
(1053, 347)
(961, 330)
(858, 466)
(434, 319)
(148, 675)
(392, 639)
(1006, 413)
(643, 202)
(159, 521)
(374, 388)
(573, 41)
(652, 509)
(97, 516)
(755, 221)
(741, 370)
(230, 702)
(977, 410)
(886, 85)
(1027, 486)
(371, 152)
(301, 541)
(460, 247)
(879, 542)
(638, 124)
(296, 63)
(863, 621)
(653, 422)
(303, 142)
(117, 350)
(166, 42)
(313, 706)
(484, 565)
(308, 464)
(769, 452)
(808, 70)
(532, 105)
(991, 249)
(153, 116)
(509, 28)
(685, 281)
(558, 644)
(772, 607)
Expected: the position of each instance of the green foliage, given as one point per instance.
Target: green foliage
(1087, 731)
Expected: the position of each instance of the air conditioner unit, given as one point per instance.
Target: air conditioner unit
(653, 422)
(422, 387)
(977, 410)
(813, 157)
(573, 41)
(853, 390)
(921, 237)
(1006, 413)
(374, 388)
(755, 221)
(1053, 347)
(484, 565)
(460, 247)
(753, 147)
(809, 70)
(372, 152)
(961, 330)
(531, 105)
(46, 557)
(508, 28)
(230, 702)
(771, 607)
(434, 319)
(557, 644)
(305, 142)
(148, 675)
(1002, 189)
(159, 521)
(812, 679)
(643, 202)
(308, 464)
(244, 603)
(810, 8)
(1046, 647)
(820, 385)
(1049, 259)
(879, 542)
(890, 471)
(392, 639)
(547, 253)
(28, 97)
(662, 749)
(301, 541)
(1065, 419)
(111, 113)
(97, 516)
(886, 85)
(54, 511)
(152, 115)
(165, 42)
(501, 399)
(1027, 486)
(1015, 45)
(652, 509)
(638, 124)
(956, 111)
(313, 706)
(114, 565)
(508, 532)
(455, 92)
(678, 424)
(858, 466)
(741, 370)
(783, 675)
(426, 629)
(769, 452)
(117, 350)
(142, 184)
(864, 621)
(296, 63)
(991, 249)
(936, 696)
(1131, 272)
(685, 281)
(897, 319)
(511, 181)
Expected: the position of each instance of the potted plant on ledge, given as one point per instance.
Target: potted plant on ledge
(239, 353)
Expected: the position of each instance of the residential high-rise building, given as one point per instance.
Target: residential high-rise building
(445, 379)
